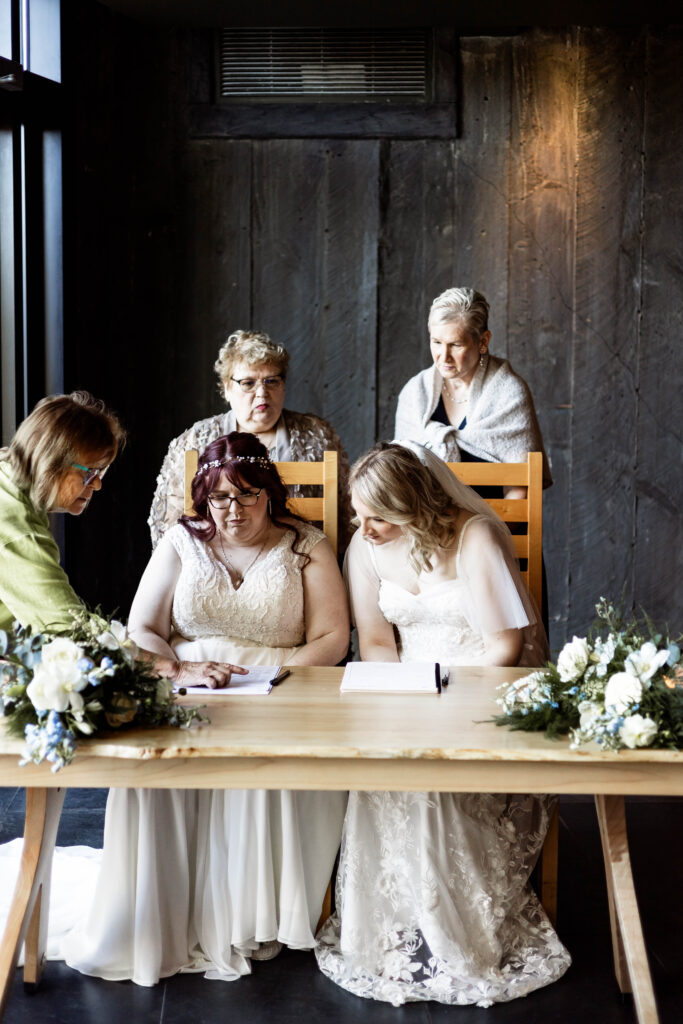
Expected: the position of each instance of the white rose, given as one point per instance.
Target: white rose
(56, 687)
(638, 731)
(622, 690)
(573, 659)
(61, 650)
(645, 662)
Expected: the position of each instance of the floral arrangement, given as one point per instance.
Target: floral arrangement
(620, 689)
(55, 688)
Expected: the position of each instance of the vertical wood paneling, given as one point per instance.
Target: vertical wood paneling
(606, 300)
(315, 273)
(337, 249)
(482, 159)
(216, 269)
(350, 311)
(416, 262)
(659, 480)
(541, 253)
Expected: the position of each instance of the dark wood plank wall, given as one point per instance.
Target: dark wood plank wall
(560, 199)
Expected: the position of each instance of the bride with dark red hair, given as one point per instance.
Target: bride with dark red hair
(204, 880)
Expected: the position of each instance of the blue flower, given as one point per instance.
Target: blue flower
(54, 730)
(85, 664)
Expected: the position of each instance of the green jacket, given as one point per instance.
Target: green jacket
(33, 586)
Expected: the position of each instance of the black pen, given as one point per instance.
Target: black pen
(280, 676)
(437, 672)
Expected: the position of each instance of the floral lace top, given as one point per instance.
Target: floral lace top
(268, 608)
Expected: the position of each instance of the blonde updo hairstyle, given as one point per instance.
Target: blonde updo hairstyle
(461, 305)
(393, 483)
(50, 438)
(253, 348)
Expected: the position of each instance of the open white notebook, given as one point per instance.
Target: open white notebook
(391, 677)
(259, 680)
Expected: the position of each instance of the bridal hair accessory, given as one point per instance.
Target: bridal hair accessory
(260, 460)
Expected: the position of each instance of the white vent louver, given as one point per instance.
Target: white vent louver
(323, 64)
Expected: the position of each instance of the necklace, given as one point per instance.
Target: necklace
(451, 396)
(239, 576)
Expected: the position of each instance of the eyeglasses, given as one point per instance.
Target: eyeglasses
(90, 474)
(250, 384)
(246, 499)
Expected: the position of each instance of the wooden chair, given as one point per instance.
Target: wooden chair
(529, 549)
(321, 474)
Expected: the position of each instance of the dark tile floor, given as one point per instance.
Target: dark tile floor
(290, 989)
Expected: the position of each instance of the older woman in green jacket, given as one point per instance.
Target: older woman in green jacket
(55, 462)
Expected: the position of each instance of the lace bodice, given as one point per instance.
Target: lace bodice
(432, 621)
(268, 608)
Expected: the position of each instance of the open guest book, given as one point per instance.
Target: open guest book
(259, 680)
(392, 677)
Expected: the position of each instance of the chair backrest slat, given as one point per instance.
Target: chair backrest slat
(527, 510)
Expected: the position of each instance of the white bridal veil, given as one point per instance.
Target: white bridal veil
(504, 601)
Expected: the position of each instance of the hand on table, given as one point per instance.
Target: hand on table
(213, 674)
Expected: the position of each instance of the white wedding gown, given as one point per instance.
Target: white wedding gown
(194, 880)
(433, 900)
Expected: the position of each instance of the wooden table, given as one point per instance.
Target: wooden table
(306, 734)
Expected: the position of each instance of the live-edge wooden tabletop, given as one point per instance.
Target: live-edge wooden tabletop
(306, 734)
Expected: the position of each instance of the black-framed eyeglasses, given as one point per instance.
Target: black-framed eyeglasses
(249, 384)
(90, 474)
(246, 499)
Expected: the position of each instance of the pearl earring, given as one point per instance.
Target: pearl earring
(481, 359)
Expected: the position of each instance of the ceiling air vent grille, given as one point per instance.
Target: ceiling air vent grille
(314, 64)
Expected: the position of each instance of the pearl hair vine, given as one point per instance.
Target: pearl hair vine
(260, 460)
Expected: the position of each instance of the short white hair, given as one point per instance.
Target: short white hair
(461, 304)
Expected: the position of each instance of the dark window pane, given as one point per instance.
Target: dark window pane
(7, 289)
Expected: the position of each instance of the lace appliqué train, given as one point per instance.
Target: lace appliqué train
(448, 914)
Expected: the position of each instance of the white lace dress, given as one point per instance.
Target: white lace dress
(194, 880)
(433, 900)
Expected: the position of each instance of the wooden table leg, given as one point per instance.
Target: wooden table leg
(628, 945)
(28, 914)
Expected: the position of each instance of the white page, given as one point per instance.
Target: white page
(389, 677)
(259, 680)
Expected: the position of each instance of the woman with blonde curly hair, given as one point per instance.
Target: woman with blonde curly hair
(252, 378)
(433, 901)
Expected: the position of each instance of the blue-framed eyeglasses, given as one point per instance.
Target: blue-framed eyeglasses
(90, 474)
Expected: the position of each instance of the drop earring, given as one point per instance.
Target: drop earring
(270, 507)
(481, 359)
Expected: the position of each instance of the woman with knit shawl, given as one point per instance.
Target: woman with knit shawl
(469, 406)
